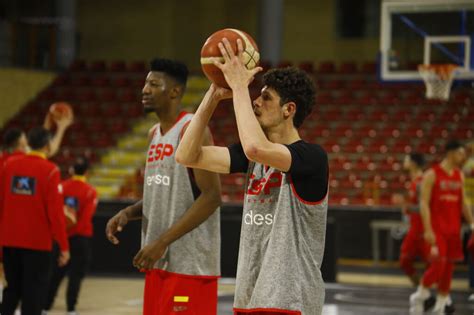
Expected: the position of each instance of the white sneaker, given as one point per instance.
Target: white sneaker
(72, 313)
(43, 312)
(417, 300)
(441, 302)
(471, 298)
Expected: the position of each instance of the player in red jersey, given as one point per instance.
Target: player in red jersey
(413, 243)
(81, 198)
(31, 215)
(442, 203)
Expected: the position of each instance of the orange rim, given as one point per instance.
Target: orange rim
(443, 71)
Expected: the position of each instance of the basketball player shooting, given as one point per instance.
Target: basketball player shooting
(285, 207)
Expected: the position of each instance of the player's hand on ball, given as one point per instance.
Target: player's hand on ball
(233, 68)
(115, 224)
(149, 255)
(65, 121)
(219, 93)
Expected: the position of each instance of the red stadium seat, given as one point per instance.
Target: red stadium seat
(326, 67)
(137, 66)
(117, 66)
(307, 66)
(348, 67)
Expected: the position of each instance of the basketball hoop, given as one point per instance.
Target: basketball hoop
(438, 80)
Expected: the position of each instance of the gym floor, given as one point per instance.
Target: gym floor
(360, 290)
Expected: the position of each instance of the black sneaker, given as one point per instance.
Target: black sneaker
(429, 303)
(449, 308)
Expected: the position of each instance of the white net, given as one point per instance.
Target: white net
(438, 80)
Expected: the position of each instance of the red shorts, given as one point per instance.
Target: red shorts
(449, 247)
(168, 293)
(264, 312)
(413, 245)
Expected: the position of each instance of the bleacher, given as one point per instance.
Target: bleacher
(365, 125)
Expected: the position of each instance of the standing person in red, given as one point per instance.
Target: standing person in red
(31, 216)
(413, 243)
(442, 203)
(81, 197)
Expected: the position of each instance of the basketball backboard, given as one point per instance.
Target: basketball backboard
(417, 32)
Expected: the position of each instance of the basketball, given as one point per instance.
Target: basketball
(210, 52)
(60, 109)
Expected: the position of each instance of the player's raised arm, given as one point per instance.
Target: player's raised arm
(256, 145)
(192, 151)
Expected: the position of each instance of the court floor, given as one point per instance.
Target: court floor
(388, 296)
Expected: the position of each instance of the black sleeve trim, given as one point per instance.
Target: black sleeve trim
(309, 172)
(238, 161)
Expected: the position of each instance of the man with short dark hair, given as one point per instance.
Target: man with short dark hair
(180, 225)
(31, 215)
(286, 197)
(442, 204)
(80, 198)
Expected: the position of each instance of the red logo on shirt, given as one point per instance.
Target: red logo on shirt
(159, 151)
(257, 185)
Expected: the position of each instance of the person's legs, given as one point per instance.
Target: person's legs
(57, 275)
(37, 270)
(80, 258)
(12, 264)
(431, 275)
(444, 286)
(407, 260)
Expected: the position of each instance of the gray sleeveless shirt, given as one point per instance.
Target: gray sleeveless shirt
(281, 246)
(167, 195)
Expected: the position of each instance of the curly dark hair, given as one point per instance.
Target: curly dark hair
(293, 85)
(175, 69)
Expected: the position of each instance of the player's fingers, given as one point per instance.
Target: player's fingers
(240, 48)
(148, 264)
(228, 47)
(217, 64)
(137, 260)
(256, 70)
(109, 229)
(224, 51)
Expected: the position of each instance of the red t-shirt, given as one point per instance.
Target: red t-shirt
(82, 198)
(446, 201)
(5, 155)
(416, 225)
(31, 209)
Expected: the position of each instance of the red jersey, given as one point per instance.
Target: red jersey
(5, 155)
(416, 225)
(446, 201)
(31, 210)
(82, 198)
